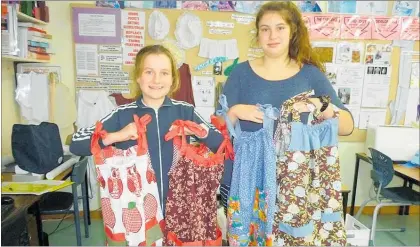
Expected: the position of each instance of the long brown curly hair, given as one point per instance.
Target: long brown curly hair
(300, 48)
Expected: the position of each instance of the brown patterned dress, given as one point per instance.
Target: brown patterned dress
(195, 175)
(309, 203)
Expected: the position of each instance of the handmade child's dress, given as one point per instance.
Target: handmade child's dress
(309, 203)
(129, 195)
(252, 195)
(191, 206)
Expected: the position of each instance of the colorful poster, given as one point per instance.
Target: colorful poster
(133, 24)
(378, 54)
(410, 28)
(356, 27)
(405, 8)
(324, 26)
(386, 28)
(344, 7)
(96, 25)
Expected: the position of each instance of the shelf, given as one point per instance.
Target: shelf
(26, 18)
(21, 59)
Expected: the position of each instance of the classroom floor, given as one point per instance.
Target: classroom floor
(65, 235)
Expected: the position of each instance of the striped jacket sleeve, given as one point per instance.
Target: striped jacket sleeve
(80, 144)
(214, 137)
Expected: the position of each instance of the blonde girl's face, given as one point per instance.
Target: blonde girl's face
(155, 80)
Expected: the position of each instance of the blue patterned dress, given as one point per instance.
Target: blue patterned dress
(253, 188)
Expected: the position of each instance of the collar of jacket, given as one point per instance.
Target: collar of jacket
(166, 102)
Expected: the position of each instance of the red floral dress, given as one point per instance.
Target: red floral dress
(129, 195)
(191, 205)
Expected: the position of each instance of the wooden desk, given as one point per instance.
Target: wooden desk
(7, 177)
(23, 202)
(409, 175)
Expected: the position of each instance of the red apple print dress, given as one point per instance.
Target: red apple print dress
(191, 205)
(129, 195)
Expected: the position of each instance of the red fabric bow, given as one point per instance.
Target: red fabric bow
(226, 145)
(178, 128)
(100, 154)
(141, 124)
(94, 143)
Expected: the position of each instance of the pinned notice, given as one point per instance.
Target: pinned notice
(133, 24)
(410, 28)
(356, 27)
(323, 26)
(386, 28)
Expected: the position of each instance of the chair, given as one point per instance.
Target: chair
(381, 175)
(61, 202)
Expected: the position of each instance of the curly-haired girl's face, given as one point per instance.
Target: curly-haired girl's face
(273, 34)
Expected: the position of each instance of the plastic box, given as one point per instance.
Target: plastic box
(357, 233)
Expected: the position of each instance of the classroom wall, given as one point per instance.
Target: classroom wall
(62, 43)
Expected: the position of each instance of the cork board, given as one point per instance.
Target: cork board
(245, 36)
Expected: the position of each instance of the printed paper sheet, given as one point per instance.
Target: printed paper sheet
(133, 24)
(386, 28)
(349, 85)
(203, 91)
(378, 54)
(410, 28)
(371, 117)
(356, 27)
(86, 59)
(349, 53)
(323, 26)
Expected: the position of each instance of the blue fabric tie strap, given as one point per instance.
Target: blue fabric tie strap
(270, 115)
(234, 131)
(210, 62)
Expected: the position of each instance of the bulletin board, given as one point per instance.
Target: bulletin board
(242, 31)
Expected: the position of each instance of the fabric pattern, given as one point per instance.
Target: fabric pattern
(191, 206)
(309, 203)
(129, 195)
(252, 195)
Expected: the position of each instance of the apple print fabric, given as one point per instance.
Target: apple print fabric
(309, 203)
(129, 195)
(191, 206)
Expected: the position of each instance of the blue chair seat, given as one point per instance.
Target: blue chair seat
(402, 194)
(56, 202)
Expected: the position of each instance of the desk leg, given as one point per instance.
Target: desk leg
(87, 199)
(353, 194)
(345, 200)
(407, 208)
(402, 208)
(39, 224)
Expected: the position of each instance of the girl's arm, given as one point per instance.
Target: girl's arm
(214, 138)
(80, 144)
